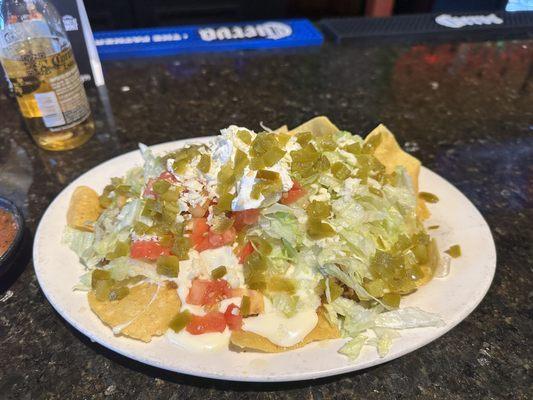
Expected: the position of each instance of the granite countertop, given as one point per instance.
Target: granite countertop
(465, 109)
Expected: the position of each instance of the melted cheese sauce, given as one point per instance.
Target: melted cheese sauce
(200, 265)
(281, 330)
(224, 304)
(273, 325)
(198, 343)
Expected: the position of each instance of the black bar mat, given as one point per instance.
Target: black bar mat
(486, 25)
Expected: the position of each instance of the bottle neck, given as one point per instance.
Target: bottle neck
(28, 19)
(20, 11)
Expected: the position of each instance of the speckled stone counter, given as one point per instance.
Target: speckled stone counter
(465, 109)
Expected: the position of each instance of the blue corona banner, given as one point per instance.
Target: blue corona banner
(207, 38)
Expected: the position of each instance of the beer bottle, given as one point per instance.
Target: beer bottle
(38, 60)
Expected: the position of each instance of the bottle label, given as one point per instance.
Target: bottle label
(49, 106)
(48, 87)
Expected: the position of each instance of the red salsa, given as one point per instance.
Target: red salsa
(8, 230)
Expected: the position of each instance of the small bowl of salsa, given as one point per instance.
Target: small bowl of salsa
(11, 230)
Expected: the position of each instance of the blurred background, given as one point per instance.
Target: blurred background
(144, 13)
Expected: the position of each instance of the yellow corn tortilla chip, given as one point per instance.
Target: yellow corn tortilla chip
(388, 152)
(282, 129)
(84, 208)
(391, 155)
(318, 126)
(147, 310)
(254, 342)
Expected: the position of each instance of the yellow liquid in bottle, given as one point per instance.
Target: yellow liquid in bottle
(49, 92)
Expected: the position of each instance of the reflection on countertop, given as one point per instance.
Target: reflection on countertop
(465, 109)
(16, 172)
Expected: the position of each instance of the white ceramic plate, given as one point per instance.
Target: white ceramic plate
(453, 297)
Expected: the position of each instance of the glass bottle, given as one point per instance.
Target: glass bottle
(38, 60)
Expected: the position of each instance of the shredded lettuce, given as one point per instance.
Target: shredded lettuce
(153, 167)
(120, 269)
(282, 225)
(81, 243)
(285, 303)
(353, 348)
(125, 267)
(357, 320)
(78, 241)
(276, 207)
(134, 178)
(115, 226)
(129, 214)
(384, 338)
(408, 317)
(289, 251)
(106, 234)
(84, 283)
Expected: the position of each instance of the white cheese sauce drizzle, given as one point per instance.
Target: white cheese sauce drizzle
(281, 330)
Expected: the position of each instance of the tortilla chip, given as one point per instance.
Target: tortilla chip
(318, 125)
(391, 155)
(147, 310)
(254, 342)
(84, 208)
(282, 129)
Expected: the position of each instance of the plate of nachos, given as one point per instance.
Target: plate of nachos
(274, 255)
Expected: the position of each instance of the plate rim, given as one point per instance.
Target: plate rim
(309, 375)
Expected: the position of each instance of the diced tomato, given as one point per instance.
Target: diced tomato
(197, 291)
(245, 218)
(199, 231)
(245, 252)
(221, 239)
(203, 245)
(203, 238)
(294, 194)
(148, 190)
(233, 318)
(208, 292)
(229, 236)
(148, 249)
(167, 176)
(211, 322)
(199, 227)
